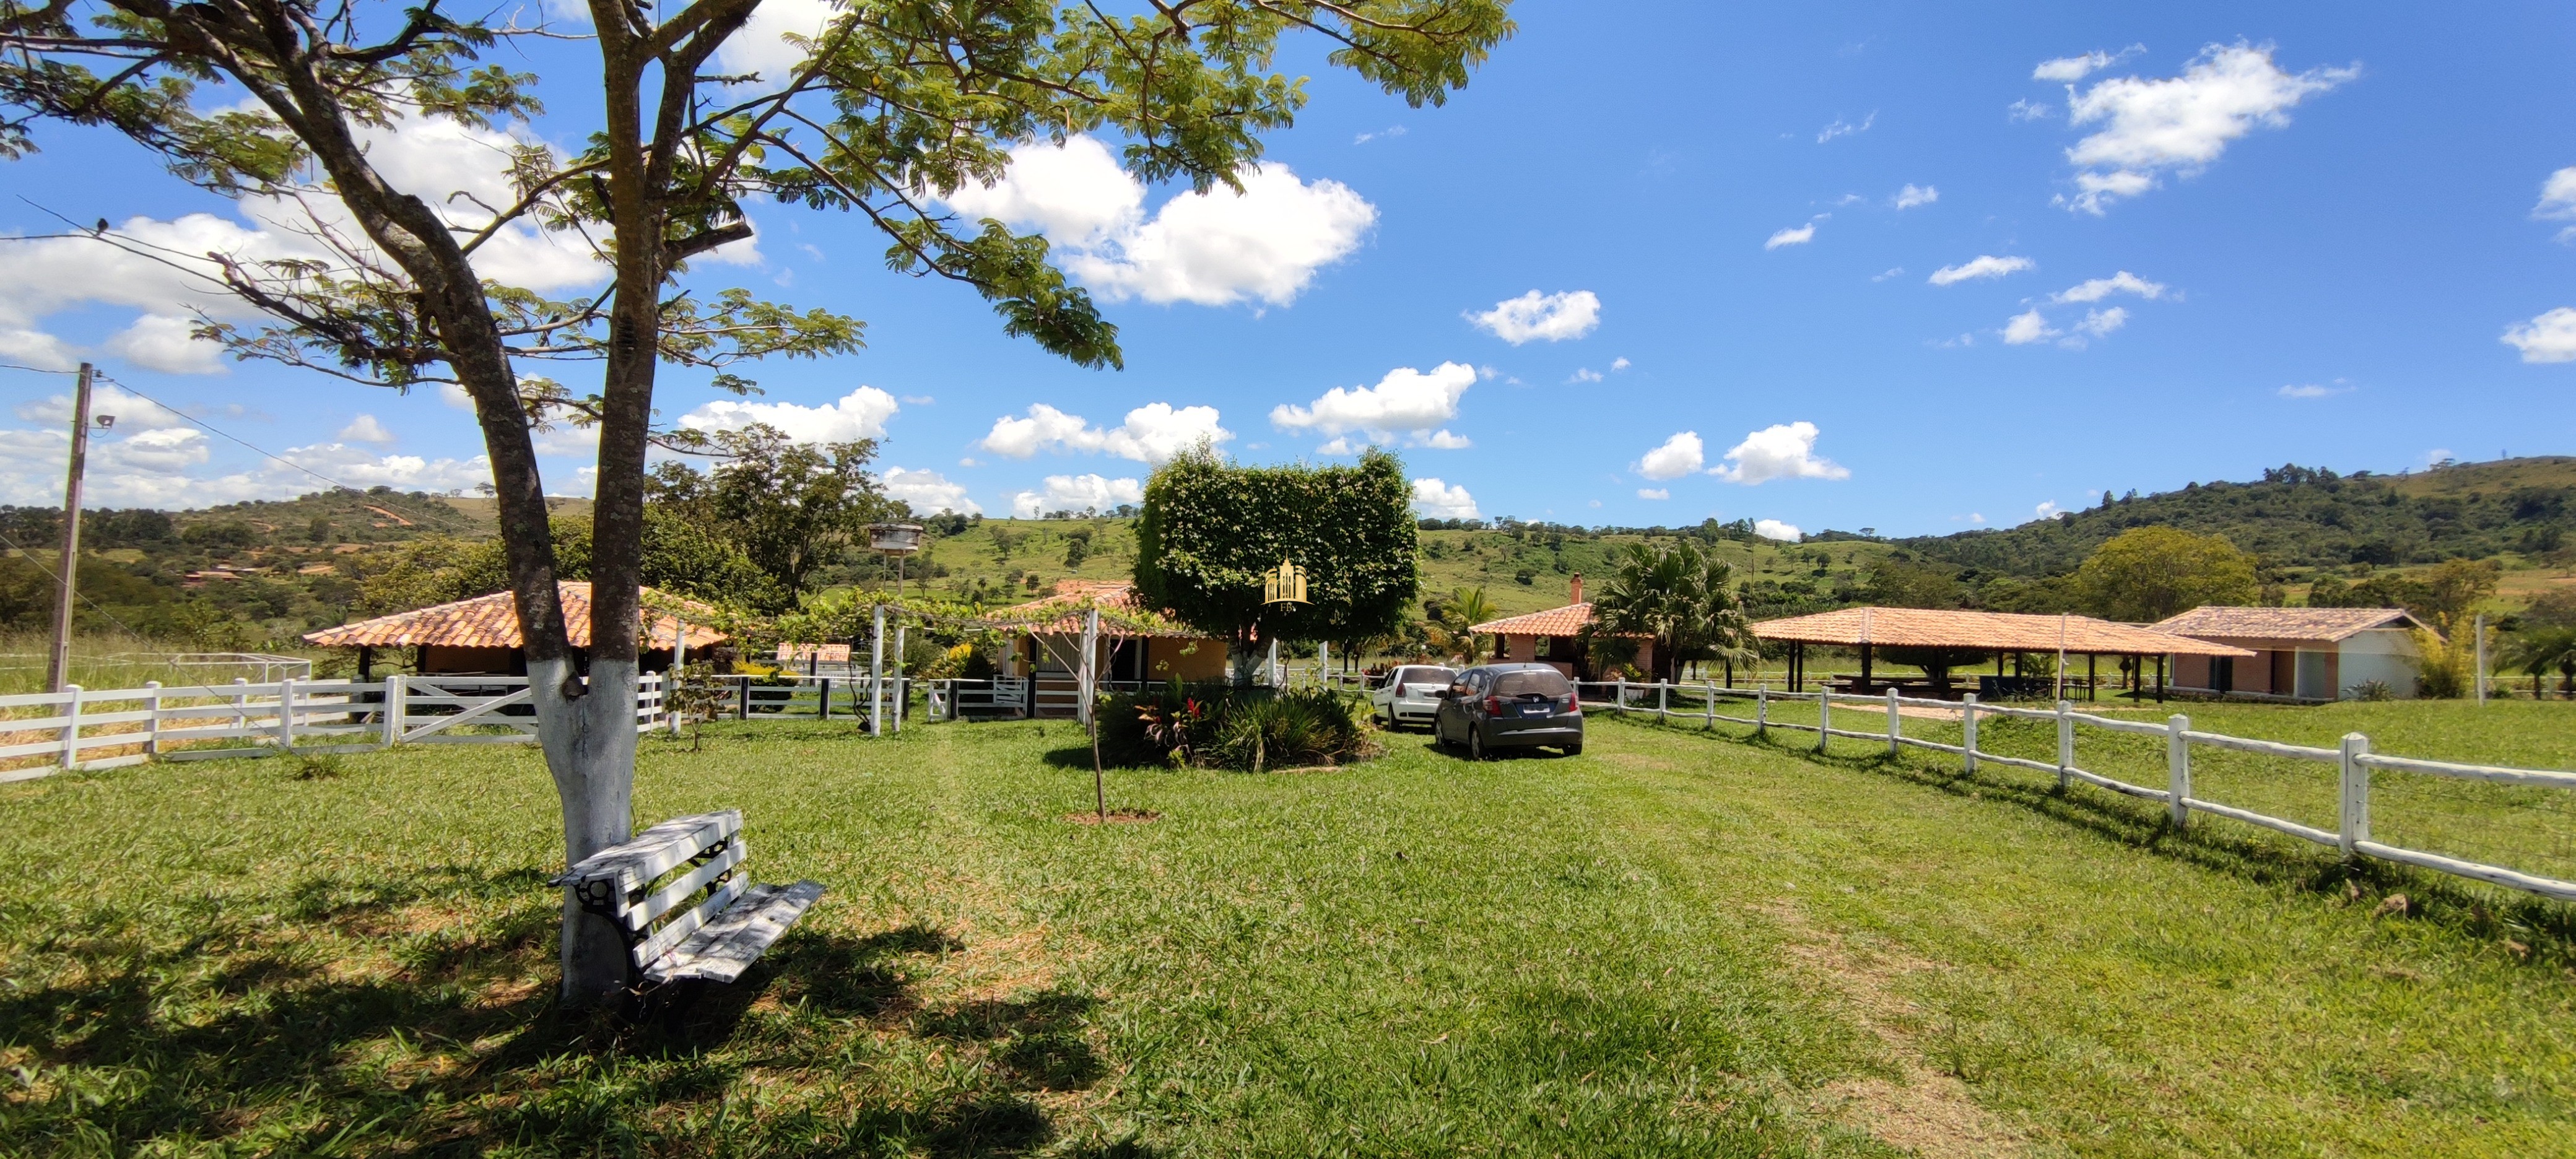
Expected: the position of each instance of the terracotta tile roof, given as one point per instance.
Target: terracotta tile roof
(2322, 625)
(493, 622)
(1062, 613)
(1988, 631)
(1566, 621)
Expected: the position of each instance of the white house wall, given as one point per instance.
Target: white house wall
(2386, 655)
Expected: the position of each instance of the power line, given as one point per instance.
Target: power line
(36, 369)
(30, 557)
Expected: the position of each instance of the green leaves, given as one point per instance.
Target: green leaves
(1210, 529)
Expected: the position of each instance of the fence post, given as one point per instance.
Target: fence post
(1762, 709)
(1621, 691)
(2178, 767)
(2355, 813)
(823, 707)
(1968, 730)
(71, 724)
(742, 698)
(393, 714)
(1663, 701)
(152, 718)
(1895, 730)
(876, 675)
(1824, 718)
(286, 712)
(901, 699)
(2065, 743)
(1708, 707)
(241, 703)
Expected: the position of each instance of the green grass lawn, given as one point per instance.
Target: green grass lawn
(1675, 944)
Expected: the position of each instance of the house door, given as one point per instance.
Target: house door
(1127, 659)
(2222, 675)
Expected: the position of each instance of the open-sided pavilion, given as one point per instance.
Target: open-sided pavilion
(1999, 633)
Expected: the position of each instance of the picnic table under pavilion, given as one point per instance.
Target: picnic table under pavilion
(1999, 633)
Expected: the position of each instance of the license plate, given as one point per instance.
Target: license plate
(1538, 710)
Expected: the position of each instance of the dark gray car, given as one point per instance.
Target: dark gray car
(1509, 706)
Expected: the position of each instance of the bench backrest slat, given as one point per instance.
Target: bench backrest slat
(661, 901)
(652, 948)
(655, 851)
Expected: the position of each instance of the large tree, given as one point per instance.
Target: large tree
(791, 507)
(2149, 573)
(1210, 530)
(894, 104)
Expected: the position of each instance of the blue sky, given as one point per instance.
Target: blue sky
(2140, 247)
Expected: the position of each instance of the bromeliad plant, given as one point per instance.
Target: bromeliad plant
(1220, 726)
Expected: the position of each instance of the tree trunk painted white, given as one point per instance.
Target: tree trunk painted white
(588, 734)
(1087, 675)
(2178, 768)
(1272, 673)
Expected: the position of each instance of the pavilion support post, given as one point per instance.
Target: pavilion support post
(1864, 666)
(2089, 675)
(2160, 680)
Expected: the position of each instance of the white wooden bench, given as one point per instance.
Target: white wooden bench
(705, 922)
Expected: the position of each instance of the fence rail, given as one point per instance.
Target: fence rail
(104, 728)
(2353, 761)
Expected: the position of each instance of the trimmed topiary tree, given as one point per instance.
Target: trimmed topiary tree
(1210, 529)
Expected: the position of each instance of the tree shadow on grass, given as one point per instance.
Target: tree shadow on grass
(2545, 930)
(417, 1013)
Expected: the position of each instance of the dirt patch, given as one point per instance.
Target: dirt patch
(1930, 1112)
(1116, 817)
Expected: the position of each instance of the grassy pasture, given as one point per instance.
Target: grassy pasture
(1674, 944)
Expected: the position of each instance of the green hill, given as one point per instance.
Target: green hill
(2518, 510)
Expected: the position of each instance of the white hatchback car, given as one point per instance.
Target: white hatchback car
(1411, 694)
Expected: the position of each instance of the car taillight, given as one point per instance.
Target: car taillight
(1493, 706)
(1569, 703)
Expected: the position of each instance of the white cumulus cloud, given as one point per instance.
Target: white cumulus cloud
(2075, 68)
(1799, 235)
(1653, 493)
(1406, 404)
(1980, 266)
(1843, 128)
(1076, 493)
(1675, 457)
(1535, 316)
(1153, 433)
(1774, 529)
(1913, 195)
(860, 414)
(1215, 248)
(365, 429)
(2181, 124)
(2100, 323)
(2096, 289)
(2027, 327)
(1779, 451)
(2550, 337)
(1441, 500)
(2558, 201)
(928, 492)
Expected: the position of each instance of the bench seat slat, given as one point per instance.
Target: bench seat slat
(730, 944)
(661, 901)
(652, 948)
(655, 851)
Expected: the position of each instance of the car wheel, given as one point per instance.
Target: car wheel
(1575, 749)
(1476, 745)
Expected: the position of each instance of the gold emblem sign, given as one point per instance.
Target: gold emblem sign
(1286, 585)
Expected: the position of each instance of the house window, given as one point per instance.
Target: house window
(1540, 651)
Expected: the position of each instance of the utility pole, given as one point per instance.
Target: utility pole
(58, 669)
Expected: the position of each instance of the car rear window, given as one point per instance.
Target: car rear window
(1424, 676)
(1538, 683)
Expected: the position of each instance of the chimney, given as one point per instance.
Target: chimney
(1578, 589)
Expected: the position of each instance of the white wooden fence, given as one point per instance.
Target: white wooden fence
(92, 728)
(1882, 722)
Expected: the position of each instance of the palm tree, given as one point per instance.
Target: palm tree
(1680, 596)
(2535, 653)
(1463, 609)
